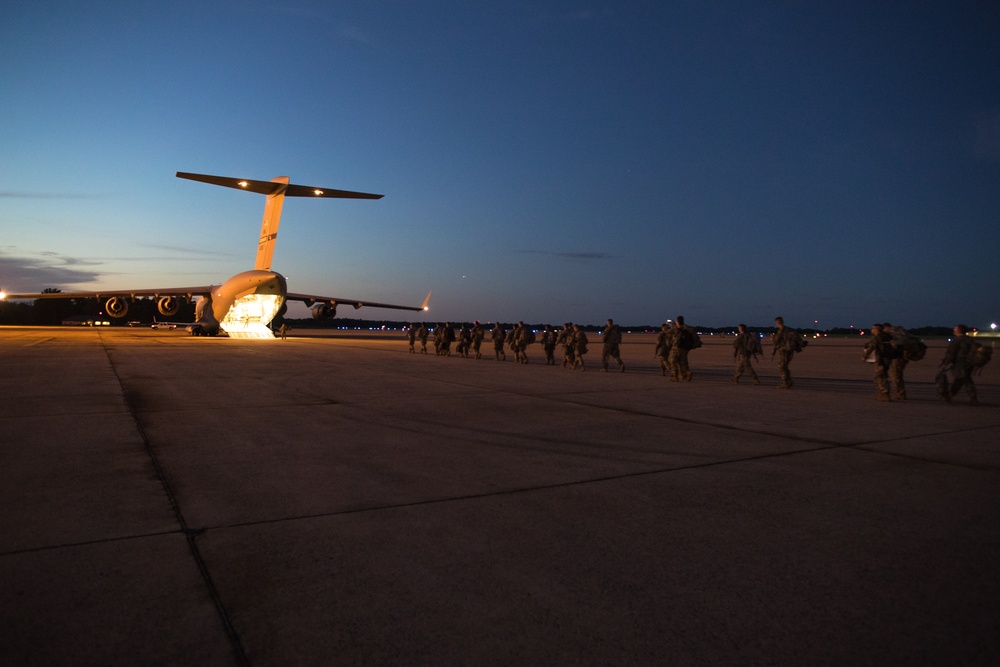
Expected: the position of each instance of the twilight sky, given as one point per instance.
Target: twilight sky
(836, 162)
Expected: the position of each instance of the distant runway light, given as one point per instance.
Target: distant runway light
(242, 184)
(318, 193)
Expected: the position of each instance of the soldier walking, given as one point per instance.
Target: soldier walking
(881, 348)
(549, 345)
(746, 347)
(683, 340)
(663, 342)
(498, 336)
(422, 335)
(958, 360)
(477, 339)
(579, 345)
(412, 335)
(611, 337)
(786, 342)
(566, 340)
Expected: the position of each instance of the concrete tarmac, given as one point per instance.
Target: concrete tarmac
(335, 500)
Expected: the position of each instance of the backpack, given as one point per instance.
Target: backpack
(914, 349)
(978, 356)
(688, 340)
(798, 342)
(908, 346)
(753, 344)
(614, 336)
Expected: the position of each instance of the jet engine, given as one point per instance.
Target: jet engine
(324, 311)
(116, 306)
(168, 305)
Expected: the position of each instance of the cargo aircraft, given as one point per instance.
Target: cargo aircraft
(244, 305)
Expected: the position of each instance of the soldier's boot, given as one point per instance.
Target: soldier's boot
(621, 366)
(735, 379)
(900, 395)
(883, 397)
(755, 379)
(973, 401)
(689, 376)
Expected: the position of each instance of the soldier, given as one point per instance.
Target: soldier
(464, 341)
(516, 342)
(549, 345)
(881, 348)
(438, 338)
(958, 360)
(900, 337)
(422, 335)
(611, 337)
(412, 335)
(663, 342)
(525, 337)
(447, 338)
(566, 340)
(498, 336)
(786, 343)
(745, 348)
(477, 339)
(683, 340)
(579, 347)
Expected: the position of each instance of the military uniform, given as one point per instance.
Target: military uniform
(566, 340)
(549, 345)
(477, 340)
(786, 343)
(611, 337)
(498, 336)
(880, 345)
(663, 342)
(422, 335)
(579, 347)
(957, 359)
(678, 358)
(745, 348)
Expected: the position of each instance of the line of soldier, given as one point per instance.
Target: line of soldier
(890, 348)
(571, 337)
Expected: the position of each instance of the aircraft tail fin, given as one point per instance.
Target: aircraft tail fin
(269, 226)
(276, 190)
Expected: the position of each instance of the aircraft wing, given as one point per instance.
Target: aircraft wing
(131, 293)
(311, 299)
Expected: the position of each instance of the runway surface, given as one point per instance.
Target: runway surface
(332, 499)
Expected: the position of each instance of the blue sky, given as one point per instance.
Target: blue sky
(836, 162)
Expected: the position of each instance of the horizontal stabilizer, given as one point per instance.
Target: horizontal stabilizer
(271, 187)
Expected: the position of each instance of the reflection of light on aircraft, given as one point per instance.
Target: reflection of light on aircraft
(244, 305)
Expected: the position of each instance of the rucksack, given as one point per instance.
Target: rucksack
(753, 344)
(688, 340)
(907, 345)
(979, 355)
(799, 343)
(914, 349)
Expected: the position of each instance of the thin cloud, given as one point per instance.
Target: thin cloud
(33, 274)
(574, 256)
(6, 194)
(184, 250)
